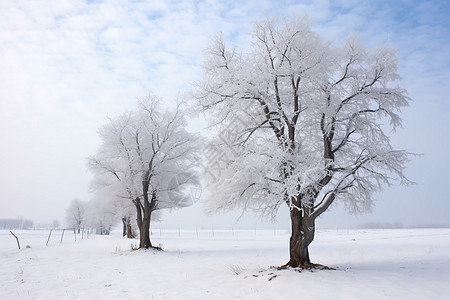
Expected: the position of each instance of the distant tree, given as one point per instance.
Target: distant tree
(142, 152)
(302, 122)
(108, 208)
(55, 224)
(76, 215)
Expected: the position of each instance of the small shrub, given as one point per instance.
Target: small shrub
(236, 269)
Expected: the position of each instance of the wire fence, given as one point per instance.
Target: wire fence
(53, 237)
(215, 232)
(26, 238)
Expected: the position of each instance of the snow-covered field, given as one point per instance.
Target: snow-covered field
(370, 264)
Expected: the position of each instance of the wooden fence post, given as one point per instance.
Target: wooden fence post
(62, 235)
(48, 239)
(17, 239)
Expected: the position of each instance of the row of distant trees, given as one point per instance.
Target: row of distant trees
(88, 215)
(300, 122)
(21, 223)
(81, 215)
(18, 223)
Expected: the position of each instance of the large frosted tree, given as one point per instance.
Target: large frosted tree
(302, 123)
(151, 158)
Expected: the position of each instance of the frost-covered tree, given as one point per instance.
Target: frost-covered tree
(151, 157)
(302, 122)
(109, 208)
(55, 224)
(76, 214)
(112, 197)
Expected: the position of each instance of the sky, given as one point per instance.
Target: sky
(68, 65)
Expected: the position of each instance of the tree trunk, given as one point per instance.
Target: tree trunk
(130, 232)
(144, 214)
(149, 206)
(137, 204)
(124, 226)
(144, 241)
(301, 237)
(145, 225)
(139, 219)
(127, 229)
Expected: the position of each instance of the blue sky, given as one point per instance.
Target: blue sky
(67, 65)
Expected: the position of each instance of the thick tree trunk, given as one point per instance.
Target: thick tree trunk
(143, 221)
(139, 220)
(137, 204)
(144, 213)
(144, 241)
(301, 237)
(144, 229)
(145, 226)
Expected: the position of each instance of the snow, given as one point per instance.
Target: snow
(370, 264)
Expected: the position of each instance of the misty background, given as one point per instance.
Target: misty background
(66, 66)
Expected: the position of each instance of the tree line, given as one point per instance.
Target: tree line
(18, 223)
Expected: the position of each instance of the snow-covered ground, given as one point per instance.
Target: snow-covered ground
(370, 264)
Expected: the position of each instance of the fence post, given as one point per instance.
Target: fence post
(17, 239)
(49, 235)
(62, 235)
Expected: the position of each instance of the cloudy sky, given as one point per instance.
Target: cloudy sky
(66, 65)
